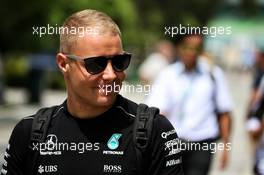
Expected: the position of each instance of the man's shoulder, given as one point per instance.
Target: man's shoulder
(176, 67)
(162, 124)
(210, 68)
(170, 72)
(25, 123)
(127, 106)
(21, 131)
(131, 109)
(24, 126)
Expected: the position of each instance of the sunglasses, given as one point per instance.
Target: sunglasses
(96, 65)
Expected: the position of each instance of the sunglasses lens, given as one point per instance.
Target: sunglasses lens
(95, 65)
(121, 62)
(98, 64)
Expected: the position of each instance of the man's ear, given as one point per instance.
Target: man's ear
(62, 62)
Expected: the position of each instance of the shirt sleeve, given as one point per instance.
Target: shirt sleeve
(257, 80)
(159, 95)
(165, 149)
(253, 124)
(261, 86)
(15, 155)
(223, 97)
(152, 66)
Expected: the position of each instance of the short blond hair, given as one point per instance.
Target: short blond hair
(96, 21)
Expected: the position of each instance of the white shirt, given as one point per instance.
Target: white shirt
(152, 66)
(189, 100)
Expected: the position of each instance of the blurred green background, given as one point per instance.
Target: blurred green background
(142, 24)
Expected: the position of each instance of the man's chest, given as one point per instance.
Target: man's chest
(192, 89)
(102, 161)
(79, 152)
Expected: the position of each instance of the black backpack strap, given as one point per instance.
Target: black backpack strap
(142, 131)
(214, 101)
(40, 125)
(214, 89)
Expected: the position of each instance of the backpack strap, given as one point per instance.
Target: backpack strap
(214, 89)
(212, 76)
(40, 125)
(215, 102)
(142, 131)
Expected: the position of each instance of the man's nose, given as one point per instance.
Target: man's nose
(109, 73)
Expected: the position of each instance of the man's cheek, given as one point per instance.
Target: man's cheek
(121, 76)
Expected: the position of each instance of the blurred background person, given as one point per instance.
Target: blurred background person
(39, 65)
(255, 128)
(1, 82)
(259, 68)
(162, 56)
(257, 76)
(256, 92)
(196, 100)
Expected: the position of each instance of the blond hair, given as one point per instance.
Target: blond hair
(95, 21)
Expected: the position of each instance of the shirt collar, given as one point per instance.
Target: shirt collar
(198, 69)
(118, 102)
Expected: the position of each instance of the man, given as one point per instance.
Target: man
(193, 95)
(255, 128)
(258, 74)
(91, 132)
(2, 101)
(161, 57)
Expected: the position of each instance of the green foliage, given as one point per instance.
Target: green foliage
(16, 66)
(142, 22)
(15, 70)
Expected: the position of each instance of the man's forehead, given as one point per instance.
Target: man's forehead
(194, 39)
(96, 44)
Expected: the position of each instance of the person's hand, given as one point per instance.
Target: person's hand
(255, 129)
(224, 158)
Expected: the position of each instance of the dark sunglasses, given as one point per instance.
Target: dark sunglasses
(96, 65)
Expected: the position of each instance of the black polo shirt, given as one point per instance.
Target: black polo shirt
(101, 145)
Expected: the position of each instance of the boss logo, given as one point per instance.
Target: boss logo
(112, 168)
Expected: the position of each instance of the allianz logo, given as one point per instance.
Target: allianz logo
(47, 168)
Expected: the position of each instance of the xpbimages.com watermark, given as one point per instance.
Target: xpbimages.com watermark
(126, 88)
(53, 147)
(204, 30)
(57, 30)
(180, 145)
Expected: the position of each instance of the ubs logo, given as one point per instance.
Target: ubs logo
(47, 169)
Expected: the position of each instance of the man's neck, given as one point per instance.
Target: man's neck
(190, 68)
(82, 110)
